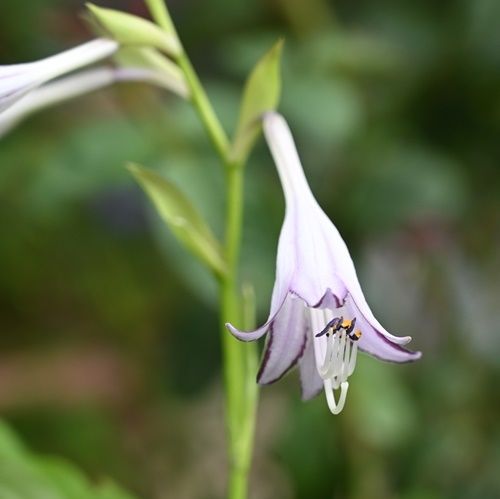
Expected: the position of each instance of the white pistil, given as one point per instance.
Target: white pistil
(335, 358)
(335, 407)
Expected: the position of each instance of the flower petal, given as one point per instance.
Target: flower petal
(17, 80)
(363, 308)
(285, 155)
(310, 382)
(74, 58)
(280, 294)
(285, 266)
(375, 342)
(303, 241)
(286, 341)
(316, 278)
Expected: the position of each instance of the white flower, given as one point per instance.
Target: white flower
(19, 79)
(82, 83)
(319, 316)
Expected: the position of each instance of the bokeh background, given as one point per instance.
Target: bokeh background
(109, 346)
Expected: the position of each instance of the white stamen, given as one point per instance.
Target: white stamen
(352, 360)
(335, 355)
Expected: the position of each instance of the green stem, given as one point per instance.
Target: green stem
(205, 110)
(240, 359)
(198, 97)
(235, 371)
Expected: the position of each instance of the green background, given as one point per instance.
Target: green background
(109, 346)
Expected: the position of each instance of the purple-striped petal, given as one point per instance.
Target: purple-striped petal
(315, 271)
(285, 267)
(280, 294)
(285, 343)
(375, 342)
(310, 382)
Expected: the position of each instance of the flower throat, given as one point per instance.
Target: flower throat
(336, 351)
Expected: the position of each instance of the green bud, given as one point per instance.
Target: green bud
(128, 29)
(149, 58)
(261, 93)
(161, 15)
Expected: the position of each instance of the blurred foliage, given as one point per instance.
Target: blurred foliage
(26, 476)
(109, 348)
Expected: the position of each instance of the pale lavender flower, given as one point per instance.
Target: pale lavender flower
(18, 79)
(81, 83)
(319, 316)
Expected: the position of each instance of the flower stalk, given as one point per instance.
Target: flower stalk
(239, 361)
(199, 97)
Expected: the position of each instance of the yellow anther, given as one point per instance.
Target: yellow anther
(346, 324)
(357, 333)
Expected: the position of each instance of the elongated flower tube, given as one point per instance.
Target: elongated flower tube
(80, 83)
(19, 79)
(319, 316)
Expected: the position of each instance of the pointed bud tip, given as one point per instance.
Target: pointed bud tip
(271, 117)
(134, 169)
(278, 46)
(273, 121)
(94, 9)
(131, 167)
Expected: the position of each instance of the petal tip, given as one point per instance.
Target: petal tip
(247, 335)
(404, 340)
(417, 355)
(305, 396)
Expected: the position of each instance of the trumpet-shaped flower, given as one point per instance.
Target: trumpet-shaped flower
(19, 79)
(319, 316)
(80, 83)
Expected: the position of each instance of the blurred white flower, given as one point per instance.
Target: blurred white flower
(79, 84)
(19, 79)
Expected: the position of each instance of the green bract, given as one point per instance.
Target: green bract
(151, 58)
(181, 217)
(261, 93)
(128, 29)
(160, 14)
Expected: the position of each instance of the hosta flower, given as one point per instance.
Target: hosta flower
(18, 79)
(319, 316)
(81, 83)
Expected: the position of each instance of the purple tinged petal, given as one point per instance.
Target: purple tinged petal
(286, 341)
(375, 342)
(249, 335)
(314, 269)
(285, 155)
(363, 309)
(285, 266)
(280, 293)
(322, 258)
(310, 382)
